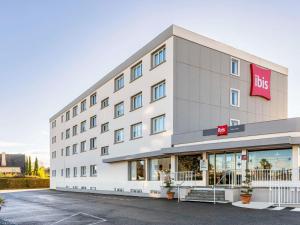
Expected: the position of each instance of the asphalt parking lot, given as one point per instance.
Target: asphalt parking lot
(63, 208)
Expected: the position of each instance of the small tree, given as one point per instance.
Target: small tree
(29, 166)
(247, 186)
(42, 172)
(26, 165)
(36, 167)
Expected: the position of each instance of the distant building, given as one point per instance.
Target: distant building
(12, 163)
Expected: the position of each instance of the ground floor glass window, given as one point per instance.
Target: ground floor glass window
(137, 170)
(189, 163)
(159, 165)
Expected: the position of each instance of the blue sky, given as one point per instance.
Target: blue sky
(51, 51)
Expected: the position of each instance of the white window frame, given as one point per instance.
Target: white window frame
(93, 121)
(93, 170)
(157, 52)
(116, 81)
(105, 103)
(115, 111)
(238, 68)
(133, 70)
(133, 98)
(153, 122)
(74, 130)
(74, 171)
(132, 127)
(83, 128)
(234, 120)
(74, 149)
(93, 143)
(104, 150)
(83, 171)
(115, 136)
(239, 97)
(83, 105)
(93, 99)
(103, 125)
(153, 99)
(83, 146)
(75, 111)
(68, 172)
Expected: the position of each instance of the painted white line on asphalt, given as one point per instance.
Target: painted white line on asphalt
(96, 217)
(65, 218)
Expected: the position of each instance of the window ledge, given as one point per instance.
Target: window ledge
(132, 80)
(116, 90)
(152, 101)
(118, 142)
(153, 67)
(131, 110)
(116, 117)
(132, 139)
(158, 132)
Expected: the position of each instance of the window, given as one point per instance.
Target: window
(158, 124)
(74, 129)
(93, 121)
(158, 57)
(119, 136)
(235, 97)
(53, 173)
(83, 126)
(68, 151)
(104, 103)
(68, 133)
(136, 101)
(93, 99)
(119, 109)
(67, 115)
(104, 150)
(83, 171)
(62, 152)
(137, 170)
(93, 143)
(62, 118)
(62, 172)
(136, 71)
(74, 149)
(104, 127)
(53, 124)
(67, 172)
(75, 111)
(53, 155)
(83, 106)
(136, 130)
(234, 122)
(157, 166)
(74, 171)
(235, 67)
(158, 91)
(190, 163)
(119, 82)
(62, 135)
(53, 140)
(93, 170)
(82, 146)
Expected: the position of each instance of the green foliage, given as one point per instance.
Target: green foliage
(265, 164)
(29, 167)
(36, 167)
(2, 201)
(19, 183)
(247, 185)
(168, 182)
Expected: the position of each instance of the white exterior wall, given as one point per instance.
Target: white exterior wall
(110, 176)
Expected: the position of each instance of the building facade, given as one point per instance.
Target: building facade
(12, 163)
(181, 100)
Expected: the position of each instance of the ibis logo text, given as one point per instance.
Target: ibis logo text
(222, 130)
(260, 82)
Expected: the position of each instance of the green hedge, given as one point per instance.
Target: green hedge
(18, 183)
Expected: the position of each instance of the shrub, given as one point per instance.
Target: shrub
(18, 183)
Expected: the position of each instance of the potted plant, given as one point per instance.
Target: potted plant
(168, 186)
(1, 202)
(246, 191)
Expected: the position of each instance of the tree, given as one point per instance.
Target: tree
(36, 167)
(26, 166)
(29, 166)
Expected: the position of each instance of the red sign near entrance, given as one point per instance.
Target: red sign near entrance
(222, 130)
(260, 82)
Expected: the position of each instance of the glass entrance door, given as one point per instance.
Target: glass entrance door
(224, 168)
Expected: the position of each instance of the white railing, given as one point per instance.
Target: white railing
(231, 178)
(282, 195)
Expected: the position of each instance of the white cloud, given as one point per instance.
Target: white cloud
(7, 144)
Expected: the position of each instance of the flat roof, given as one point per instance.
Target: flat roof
(174, 30)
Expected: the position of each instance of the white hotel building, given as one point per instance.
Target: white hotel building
(159, 112)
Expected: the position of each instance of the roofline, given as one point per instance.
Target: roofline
(173, 30)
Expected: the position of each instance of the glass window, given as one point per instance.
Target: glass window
(93, 121)
(234, 97)
(136, 71)
(62, 152)
(270, 159)
(104, 103)
(137, 170)
(104, 150)
(82, 146)
(93, 144)
(62, 135)
(53, 123)
(74, 149)
(159, 165)
(190, 163)
(83, 106)
(93, 99)
(68, 151)
(83, 126)
(67, 172)
(62, 172)
(62, 118)
(83, 171)
(67, 115)
(53, 139)
(119, 135)
(53, 173)
(136, 101)
(158, 124)
(119, 109)
(104, 127)
(136, 130)
(235, 67)
(234, 122)
(54, 155)
(75, 110)
(68, 133)
(119, 82)
(74, 129)
(75, 171)
(93, 170)
(159, 57)
(158, 91)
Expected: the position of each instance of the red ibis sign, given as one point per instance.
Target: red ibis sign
(260, 82)
(222, 130)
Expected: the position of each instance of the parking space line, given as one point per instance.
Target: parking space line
(65, 218)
